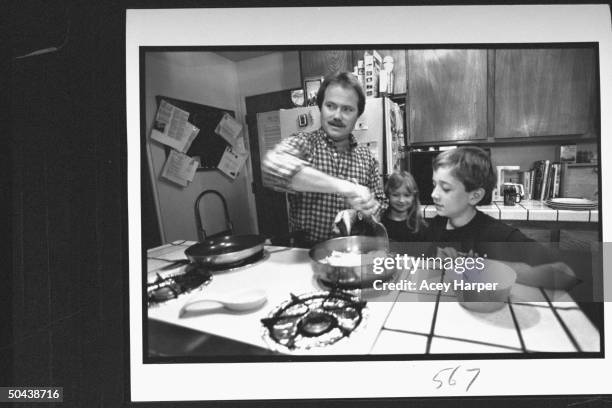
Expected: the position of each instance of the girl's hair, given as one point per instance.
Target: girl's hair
(399, 179)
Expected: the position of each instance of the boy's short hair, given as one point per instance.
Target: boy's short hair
(471, 165)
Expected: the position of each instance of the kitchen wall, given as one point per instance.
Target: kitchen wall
(208, 79)
(525, 155)
(522, 156)
(269, 73)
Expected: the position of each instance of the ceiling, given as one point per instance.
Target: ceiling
(242, 55)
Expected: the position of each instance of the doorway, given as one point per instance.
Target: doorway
(272, 217)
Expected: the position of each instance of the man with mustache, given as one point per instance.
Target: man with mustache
(326, 171)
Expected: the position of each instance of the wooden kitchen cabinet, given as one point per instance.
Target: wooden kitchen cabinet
(323, 62)
(545, 92)
(446, 95)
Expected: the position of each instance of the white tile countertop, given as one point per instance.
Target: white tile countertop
(521, 326)
(406, 322)
(527, 210)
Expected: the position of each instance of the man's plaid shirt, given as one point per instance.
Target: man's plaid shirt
(315, 212)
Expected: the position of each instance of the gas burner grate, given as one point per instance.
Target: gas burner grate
(164, 289)
(313, 320)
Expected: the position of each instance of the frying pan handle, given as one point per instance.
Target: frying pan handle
(198, 217)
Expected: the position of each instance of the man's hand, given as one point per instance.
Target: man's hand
(361, 199)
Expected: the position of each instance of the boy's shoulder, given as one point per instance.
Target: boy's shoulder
(434, 229)
(494, 230)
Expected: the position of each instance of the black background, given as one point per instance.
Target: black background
(65, 321)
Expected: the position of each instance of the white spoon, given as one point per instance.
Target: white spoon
(240, 301)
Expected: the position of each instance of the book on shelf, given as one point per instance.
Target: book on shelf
(546, 180)
(541, 169)
(538, 174)
(551, 182)
(556, 180)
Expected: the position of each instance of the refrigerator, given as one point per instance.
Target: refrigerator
(380, 128)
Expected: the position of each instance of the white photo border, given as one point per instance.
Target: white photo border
(344, 25)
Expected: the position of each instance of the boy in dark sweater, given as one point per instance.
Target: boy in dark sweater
(462, 177)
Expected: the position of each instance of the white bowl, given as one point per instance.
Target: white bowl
(484, 290)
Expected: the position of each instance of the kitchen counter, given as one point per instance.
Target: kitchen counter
(402, 322)
(536, 214)
(528, 210)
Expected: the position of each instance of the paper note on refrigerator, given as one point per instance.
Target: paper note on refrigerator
(268, 133)
(229, 129)
(172, 128)
(179, 168)
(239, 147)
(231, 162)
(193, 131)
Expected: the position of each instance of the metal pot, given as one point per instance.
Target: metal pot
(359, 276)
(225, 250)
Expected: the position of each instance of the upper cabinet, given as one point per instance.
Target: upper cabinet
(492, 95)
(545, 92)
(447, 95)
(322, 63)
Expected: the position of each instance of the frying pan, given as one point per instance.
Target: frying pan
(225, 250)
(350, 277)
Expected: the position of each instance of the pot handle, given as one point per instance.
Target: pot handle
(198, 217)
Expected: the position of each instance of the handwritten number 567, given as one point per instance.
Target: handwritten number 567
(441, 375)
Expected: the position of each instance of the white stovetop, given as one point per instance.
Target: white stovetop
(402, 323)
(286, 271)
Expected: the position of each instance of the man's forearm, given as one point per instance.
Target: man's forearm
(313, 180)
(555, 275)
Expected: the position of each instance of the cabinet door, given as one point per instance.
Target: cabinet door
(447, 95)
(545, 92)
(321, 63)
